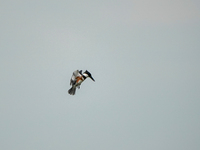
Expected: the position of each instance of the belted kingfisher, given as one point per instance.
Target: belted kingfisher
(76, 80)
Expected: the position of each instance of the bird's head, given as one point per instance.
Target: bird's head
(88, 75)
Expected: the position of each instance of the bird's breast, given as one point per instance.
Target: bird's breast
(79, 80)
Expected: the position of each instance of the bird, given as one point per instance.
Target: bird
(77, 78)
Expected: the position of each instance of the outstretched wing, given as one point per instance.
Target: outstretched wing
(74, 77)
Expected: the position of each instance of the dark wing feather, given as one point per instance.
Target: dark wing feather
(80, 72)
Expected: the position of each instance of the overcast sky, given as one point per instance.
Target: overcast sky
(144, 56)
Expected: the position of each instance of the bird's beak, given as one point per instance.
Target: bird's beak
(92, 78)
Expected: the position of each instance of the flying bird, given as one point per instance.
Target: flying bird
(77, 78)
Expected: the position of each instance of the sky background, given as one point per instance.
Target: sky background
(144, 56)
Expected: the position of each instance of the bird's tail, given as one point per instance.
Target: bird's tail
(72, 91)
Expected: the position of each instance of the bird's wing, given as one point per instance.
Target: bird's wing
(80, 72)
(74, 76)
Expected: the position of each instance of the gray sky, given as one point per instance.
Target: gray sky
(144, 56)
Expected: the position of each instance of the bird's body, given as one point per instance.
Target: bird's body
(76, 80)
